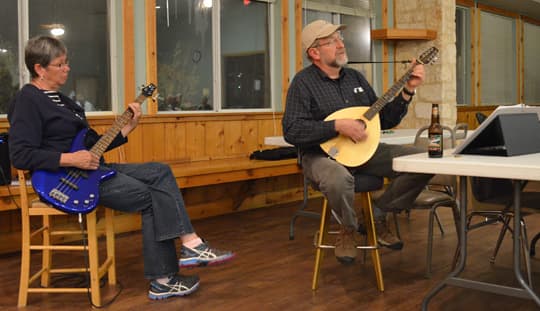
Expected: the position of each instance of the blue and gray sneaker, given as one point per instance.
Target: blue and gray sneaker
(203, 255)
(178, 285)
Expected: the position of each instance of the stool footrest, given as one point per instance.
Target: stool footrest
(372, 245)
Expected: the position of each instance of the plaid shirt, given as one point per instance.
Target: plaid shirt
(312, 96)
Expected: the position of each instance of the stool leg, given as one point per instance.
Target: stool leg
(109, 224)
(93, 258)
(318, 251)
(25, 261)
(46, 253)
(372, 238)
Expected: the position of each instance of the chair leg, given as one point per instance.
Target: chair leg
(301, 211)
(533, 244)
(93, 258)
(457, 222)
(439, 222)
(109, 236)
(319, 242)
(372, 238)
(46, 253)
(396, 223)
(502, 233)
(429, 252)
(432, 215)
(25, 262)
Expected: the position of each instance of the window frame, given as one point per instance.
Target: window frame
(217, 83)
(467, 61)
(488, 9)
(23, 11)
(476, 83)
(525, 20)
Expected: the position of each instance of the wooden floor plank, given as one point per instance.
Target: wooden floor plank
(273, 273)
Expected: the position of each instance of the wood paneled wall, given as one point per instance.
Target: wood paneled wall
(468, 114)
(192, 137)
(184, 138)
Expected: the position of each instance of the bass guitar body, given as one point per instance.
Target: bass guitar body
(71, 190)
(343, 149)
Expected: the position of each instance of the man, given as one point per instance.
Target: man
(323, 88)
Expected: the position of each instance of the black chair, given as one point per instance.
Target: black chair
(480, 117)
(460, 132)
(499, 193)
(302, 210)
(492, 199)
(440, 192)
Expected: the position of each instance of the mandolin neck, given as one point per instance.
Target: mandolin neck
(387, 97)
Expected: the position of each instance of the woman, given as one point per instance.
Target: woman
(43, 123)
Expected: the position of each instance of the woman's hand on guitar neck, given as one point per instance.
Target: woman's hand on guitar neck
(354, 129)
(132, 124)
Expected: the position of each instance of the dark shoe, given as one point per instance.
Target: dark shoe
(385, 237)
(345, 250)
(203, 255)
(178, 285)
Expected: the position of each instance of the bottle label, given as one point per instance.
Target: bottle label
(435, 144)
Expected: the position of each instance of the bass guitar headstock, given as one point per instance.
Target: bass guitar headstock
(147, 91)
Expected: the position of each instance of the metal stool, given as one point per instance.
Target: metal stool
(363, 185)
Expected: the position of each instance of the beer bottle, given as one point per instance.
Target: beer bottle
(435, 134)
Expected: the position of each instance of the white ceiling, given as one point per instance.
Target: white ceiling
(530, 8)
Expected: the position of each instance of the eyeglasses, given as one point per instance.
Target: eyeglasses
(332, 42)
(60, 65)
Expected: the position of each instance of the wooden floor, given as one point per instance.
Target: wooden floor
(273, 273)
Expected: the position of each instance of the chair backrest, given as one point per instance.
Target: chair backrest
(421, 140)
(480, 117)
(460, 131)
(24, 182)
(28, 200)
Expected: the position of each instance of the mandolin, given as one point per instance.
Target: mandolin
(347, 152)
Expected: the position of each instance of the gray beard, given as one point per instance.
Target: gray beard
(338, 64)
(342, 62)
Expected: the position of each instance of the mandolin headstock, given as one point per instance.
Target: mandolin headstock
(429, 56)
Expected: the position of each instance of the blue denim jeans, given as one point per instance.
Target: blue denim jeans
(150, 188)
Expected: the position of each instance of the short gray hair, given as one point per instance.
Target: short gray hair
(41, 50)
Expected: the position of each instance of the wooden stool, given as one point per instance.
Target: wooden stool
(95, 270)
(363, 184)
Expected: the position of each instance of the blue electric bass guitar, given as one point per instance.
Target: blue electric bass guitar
(76, 191)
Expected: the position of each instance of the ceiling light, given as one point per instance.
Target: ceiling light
(207, 4)
(57, 31)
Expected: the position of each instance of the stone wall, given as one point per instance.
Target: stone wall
(440, 84)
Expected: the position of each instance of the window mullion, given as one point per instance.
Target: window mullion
(216, 55)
